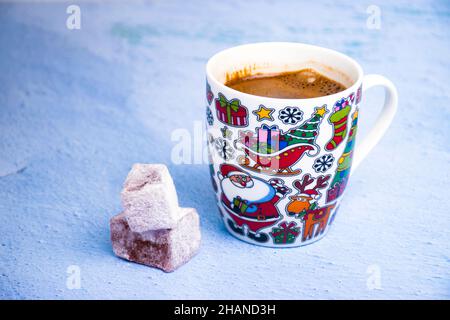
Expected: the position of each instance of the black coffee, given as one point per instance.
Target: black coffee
(305, 83)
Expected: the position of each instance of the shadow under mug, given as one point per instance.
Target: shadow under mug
(279, 167)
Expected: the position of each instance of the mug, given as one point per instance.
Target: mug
(279, 167)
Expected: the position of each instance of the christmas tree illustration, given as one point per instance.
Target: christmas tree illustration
(308, 131)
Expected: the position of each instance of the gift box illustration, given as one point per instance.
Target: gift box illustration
(231, 112)
(285, 233)
(240, 205)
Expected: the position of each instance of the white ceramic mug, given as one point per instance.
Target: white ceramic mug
(279, 167)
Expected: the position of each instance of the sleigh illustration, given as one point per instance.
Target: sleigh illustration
(277, 163)
(273, 152)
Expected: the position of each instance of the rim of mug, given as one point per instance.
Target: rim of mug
(334, 96)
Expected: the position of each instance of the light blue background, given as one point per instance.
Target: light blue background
(79, 107)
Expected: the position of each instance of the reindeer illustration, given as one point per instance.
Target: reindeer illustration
(317, 217)
(306, 198)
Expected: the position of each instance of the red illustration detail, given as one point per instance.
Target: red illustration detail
(306, 198)
(249, 200)
(231, 112)
(340, 180)
(275, 152)
(339, 120)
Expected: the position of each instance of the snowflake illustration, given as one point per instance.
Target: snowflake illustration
(209, 94)
(323, 163)
(224, 149)
(209, 116)
(290, 115)
(210, 139)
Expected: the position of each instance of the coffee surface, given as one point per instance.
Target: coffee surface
(301, 84)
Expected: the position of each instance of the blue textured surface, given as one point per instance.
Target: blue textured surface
(79, 107)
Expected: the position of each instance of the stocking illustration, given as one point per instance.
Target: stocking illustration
(339, 120)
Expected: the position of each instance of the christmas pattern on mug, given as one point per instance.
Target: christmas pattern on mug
(262, 194)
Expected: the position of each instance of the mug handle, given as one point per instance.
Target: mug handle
(384, 119)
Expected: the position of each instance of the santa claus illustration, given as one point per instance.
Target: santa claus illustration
(250, 201)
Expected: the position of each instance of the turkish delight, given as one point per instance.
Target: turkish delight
(166, 249)
(149, 198)
(153, 229)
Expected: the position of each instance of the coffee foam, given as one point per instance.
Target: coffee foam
(306, 83)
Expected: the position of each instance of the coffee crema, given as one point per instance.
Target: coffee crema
(301, 84)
